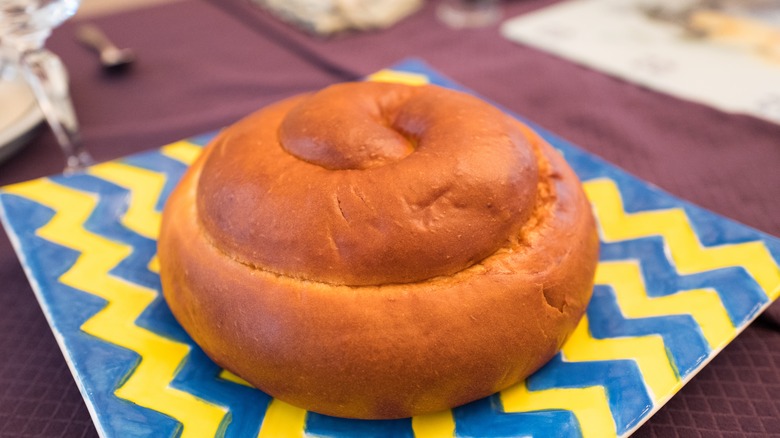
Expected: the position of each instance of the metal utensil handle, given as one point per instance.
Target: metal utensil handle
(93, 37)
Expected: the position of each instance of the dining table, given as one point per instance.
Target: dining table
(204, 64)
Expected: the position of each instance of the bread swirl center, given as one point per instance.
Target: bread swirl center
(339, 131)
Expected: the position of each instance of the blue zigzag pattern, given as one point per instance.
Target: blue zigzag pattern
(326, 426)
(741, 295)
(622, 380)
(86, 352)
(684, 343)
(198, 375)
(487, 417)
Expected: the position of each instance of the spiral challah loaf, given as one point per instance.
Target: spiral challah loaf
(378, 250)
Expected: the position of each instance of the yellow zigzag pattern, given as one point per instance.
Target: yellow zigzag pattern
(704, 305)
(281, 420)
(182, 151)
(590, 405)
(648, 352)
(145, 187)
(398, 77)
(687, 253)
(147, 385)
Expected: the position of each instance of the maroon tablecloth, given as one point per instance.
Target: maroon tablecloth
(203, 64)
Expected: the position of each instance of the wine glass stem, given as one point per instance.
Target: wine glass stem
(46, 76)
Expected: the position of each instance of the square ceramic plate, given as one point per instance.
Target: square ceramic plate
(675, 284)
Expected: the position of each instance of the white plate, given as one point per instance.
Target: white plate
(19, 116)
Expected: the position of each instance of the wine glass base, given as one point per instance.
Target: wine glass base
(78, 163)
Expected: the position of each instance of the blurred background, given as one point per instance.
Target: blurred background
(92, 8)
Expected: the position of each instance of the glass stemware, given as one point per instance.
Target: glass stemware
(24, 27)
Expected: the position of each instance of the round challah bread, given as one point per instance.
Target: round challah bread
(378, 250)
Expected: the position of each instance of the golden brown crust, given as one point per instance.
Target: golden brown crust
(306, 207)
(371, 349)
